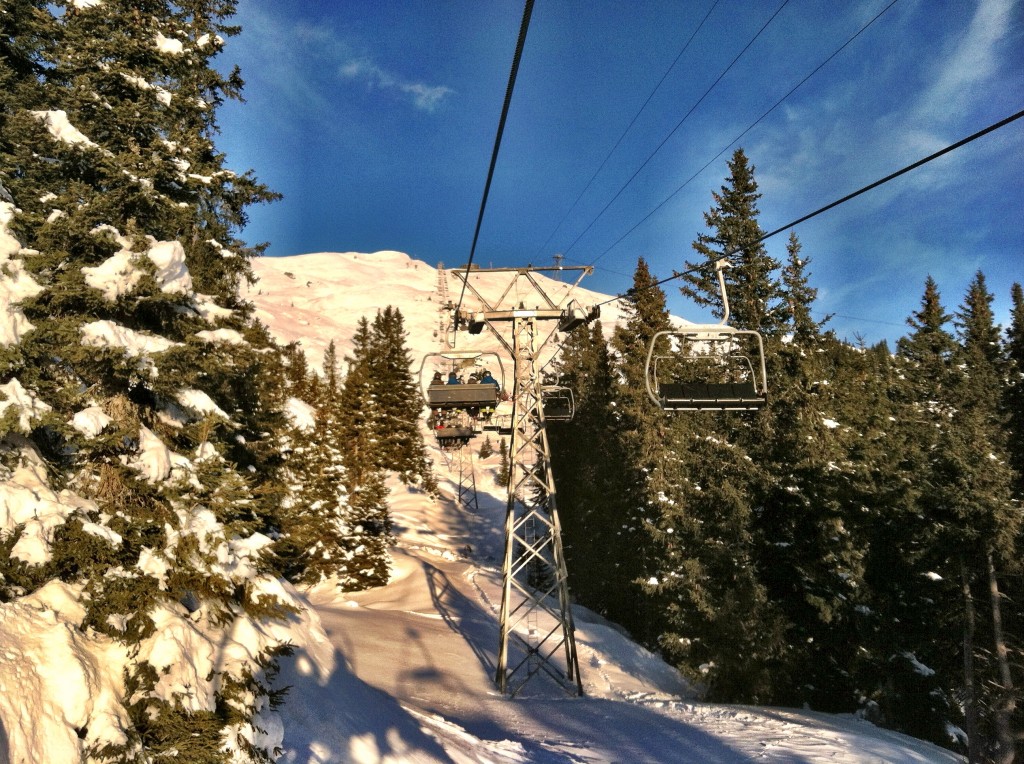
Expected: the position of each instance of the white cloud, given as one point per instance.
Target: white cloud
(426, 97)
(973, 60)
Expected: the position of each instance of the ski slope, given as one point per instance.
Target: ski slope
(404, 672)
(407, 675)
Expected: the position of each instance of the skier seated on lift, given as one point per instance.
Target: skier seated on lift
(473, 379)
(453, 378)
(487, 379)
(437, 379)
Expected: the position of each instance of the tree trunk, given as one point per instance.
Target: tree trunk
(1006, 702)
(970, 699)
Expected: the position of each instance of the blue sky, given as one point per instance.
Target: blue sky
(376, 120)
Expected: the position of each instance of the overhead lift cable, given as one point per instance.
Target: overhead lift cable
(520, 43)
(750, 127)
(678, 125)
(629, 127)
(827, 207)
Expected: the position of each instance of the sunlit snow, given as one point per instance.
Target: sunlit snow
(60, 127)
(169, 45)
(15, 283)
(90, 421)
(107, 334)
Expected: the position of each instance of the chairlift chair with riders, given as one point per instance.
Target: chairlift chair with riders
(453, 428)
(452, 380)
(711, 367)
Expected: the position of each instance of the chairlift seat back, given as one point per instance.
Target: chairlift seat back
(461, 396)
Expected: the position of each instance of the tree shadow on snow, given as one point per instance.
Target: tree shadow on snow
(340, 718)
(463, 616)
(622, 731)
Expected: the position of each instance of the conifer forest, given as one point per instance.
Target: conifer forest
(169, 467)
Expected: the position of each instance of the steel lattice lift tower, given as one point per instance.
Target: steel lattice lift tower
(537, 630)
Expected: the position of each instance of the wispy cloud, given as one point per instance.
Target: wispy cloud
(973, 60)
(425, 97)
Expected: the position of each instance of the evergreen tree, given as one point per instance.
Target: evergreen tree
(809, 556)
(587, 465)
(756, 299)
(712, 482)
(1015, 385)
(640, 429)
(399, 402)
(914, 591)
(369, 523)
(977, 480)
(504, 472)
(799, 296)
(120, 242)
(317, 528)
(486, 448)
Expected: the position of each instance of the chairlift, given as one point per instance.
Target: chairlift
(716, 367)
(499, 423)
(453, 428)
(465, 366)
(559, 403)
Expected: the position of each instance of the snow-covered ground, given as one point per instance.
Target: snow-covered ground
(406, 673)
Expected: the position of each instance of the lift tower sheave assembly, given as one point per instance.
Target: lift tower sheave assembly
(536, 623)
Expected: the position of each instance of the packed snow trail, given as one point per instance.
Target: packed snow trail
(414, 677)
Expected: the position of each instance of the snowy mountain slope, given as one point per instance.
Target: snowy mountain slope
(319, 297)
(406, 671)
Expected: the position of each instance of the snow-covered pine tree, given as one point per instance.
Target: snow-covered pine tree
(368, 535)
(705, 572)
(486, 448)
(1014, 397)
(316, 525)
(641, 429)
(136, 396)
(916, 596)
(503, 475)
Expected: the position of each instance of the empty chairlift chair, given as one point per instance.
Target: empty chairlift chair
(559, 404)
(709, 367)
